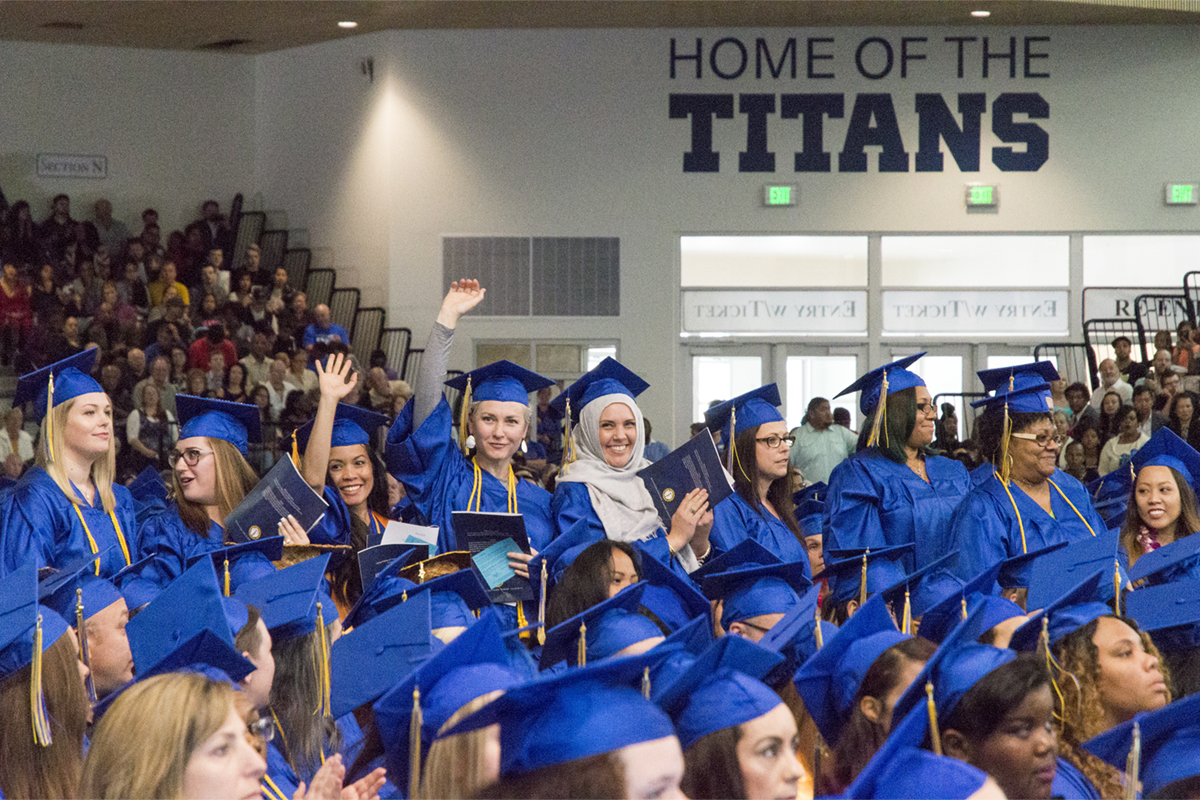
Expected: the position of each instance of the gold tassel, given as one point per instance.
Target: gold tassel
(414, 744)
(731, 449)
(404, 596)
(50, 416)
(862, 588)
(906, 622)
(964, 607)
(295, 448)
(541, 634)
(817, 634)
(464, 417)
(581, 653)
(1117, 587)
(323, 676)
(880, 412)
(421, 572)
(935, 737)
(1005, 463)
(646, 682)
(1133, 765)
(37, 699)
(1050, 665)
(81, 630)
(568, 442)
(227, 594)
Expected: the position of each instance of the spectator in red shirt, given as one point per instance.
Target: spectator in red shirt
(212, 341)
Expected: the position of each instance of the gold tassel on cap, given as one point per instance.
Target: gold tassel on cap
(646, 682)
(81, 630)
(862, 588)
(935, 736)
(1133, 765)
(227, 576)
(50, 416)
(964, 606)
(877, 423)
(414, 744)
(581, 654)
(295, 448)
(541, 633)
(817, 634)
(323, 678)
(1117, 587)
(568, 449)
(906, 623)
(37, 698)
(464, 416)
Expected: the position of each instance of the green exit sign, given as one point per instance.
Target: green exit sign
(1182, 194)
(982, 195)
(781, 195)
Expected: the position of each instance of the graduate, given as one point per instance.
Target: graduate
(612, 629)
(894, 490)
(1170, 613)
(753, 588)
(587, 575)
(68, 505)
(1162, 505)
(422, 455)
(42, 696)
(853, 576)
(1028, 503)
(1158, 748)
(599, 481)
(757, 443)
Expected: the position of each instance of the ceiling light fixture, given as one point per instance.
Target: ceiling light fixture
(349, 23)
(981, 14)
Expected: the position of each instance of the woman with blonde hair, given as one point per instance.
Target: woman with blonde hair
(68, 506)
(179, 735)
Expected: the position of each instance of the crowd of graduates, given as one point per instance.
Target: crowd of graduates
(907, 629)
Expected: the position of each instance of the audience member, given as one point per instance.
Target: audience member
(1169, 389)
(820, 445)
(1181, 414)
(113, 233)
(57, 231)
(20, 236)
(1075, 463)
(160, 376)
(655, 449)
(323, 329)
(212, 341)
(279, 387)
(1109, 422)
(1128, 439)
(1149, 420)
(1110, 381)
(16, 314)
(294, 319)
(303, 378)
(280, 289)
(1130, 371)
(235, 384)
(167, 279)
(14, 438)
(209, 284)
(1081, 411)
(1185, 346)
(258, 362)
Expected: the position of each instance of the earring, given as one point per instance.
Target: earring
(470, 441)
(524, 447)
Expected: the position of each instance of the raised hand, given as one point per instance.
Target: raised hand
(464, 295)
(338, 379)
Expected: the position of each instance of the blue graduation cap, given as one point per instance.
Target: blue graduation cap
(1017, 572)
(844, 569)
(290, 600)
(814, 491)
(673, 598)
(900, 768)
(751, 589)
(149, 485)
(500, 380)
(810, 516)
(76, 583)
(1169, 740)
(136, 582)
(1032, 398)
(562, 551)
(1166, 449)
(608, 377)
(241, 563)
(1070, 612)
(454, 596)
(68, 379)
(351, 425)
(829, 680)
(1170, 613)
(882, 381)
(580, 713)
(720, 690)
(23, 623)
(236, 423)
(474, 664)
(749, 410)
(743, 554)
(1058, 571)
(1172, 561)
(943, 616)
(1019, 376)
(368, 660)
(797, 637)
(914, 593)
(601, 631)
(373, 560)
(189, 605)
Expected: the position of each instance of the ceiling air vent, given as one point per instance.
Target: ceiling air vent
(224, 44)
(63, 25)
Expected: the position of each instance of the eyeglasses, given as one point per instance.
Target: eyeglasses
(926, 408)
(262, 728)
(191, 456)
(774, 441)
(1043, 440)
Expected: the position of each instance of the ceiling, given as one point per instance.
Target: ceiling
(261, 26)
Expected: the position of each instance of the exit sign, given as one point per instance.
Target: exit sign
(1182, 194)
(781, 195)
(982, 195)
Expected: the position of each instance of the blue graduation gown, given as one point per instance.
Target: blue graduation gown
(734, 521)
(985, 527)
(1071, 784)
(172, 544)
(439, 480)
(41, 525)
(874, 502)
(280, 782)
(572, 503)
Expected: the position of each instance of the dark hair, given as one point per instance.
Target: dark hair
(982, 709)
(841, 415)
(1110, 424)
(897, 426)
(991, 429)
(248, 639)
(1076, 387)
(1141, 389)
(745, 481)
(862, 738)
(1173, 411)
(711, 768)
(585, 582)
(1184, 787)
(1124, 339)
(814, 403)
(600, 777)
(344, 577)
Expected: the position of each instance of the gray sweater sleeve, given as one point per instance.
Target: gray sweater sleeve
(428, 390)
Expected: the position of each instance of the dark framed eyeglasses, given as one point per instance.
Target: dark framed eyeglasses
(191, 456)
(774, 441)
(925, 409)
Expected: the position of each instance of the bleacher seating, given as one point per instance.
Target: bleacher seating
(368, 328)
(319, 286)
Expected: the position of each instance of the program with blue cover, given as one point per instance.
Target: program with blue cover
(281, 492)
(475, 532)
(695, 465)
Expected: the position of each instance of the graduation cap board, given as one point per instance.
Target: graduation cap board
(859, 573)
(1171, 561)
(917, 591)
(236, 423)
(57, 383)
(750, 589)
(882, 381)
(1166, 449)
(351, 425)
(1018, 376)
(758, 407)
(239, 563)
(1170, 613)
(609, 377)
(500, 380)
(1156, 748)
(601, 631)
(1067, 614)
(1059, 570)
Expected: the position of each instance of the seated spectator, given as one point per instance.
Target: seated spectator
(57, 231)
(86, 287)
(113, 233)
(16, 314)
(16, 445)
(379, 359)
(150, 431)
(192, 254)
(68, 342)
(258, 363)
(235, 384)
(110, 382)
(1149, 420)
(252, 263)
(299, 375)
(297, 410)
(166, 339)
(1081, 410)
(212, 341)
(280, 289)
(1120, 448)
(279, 387)
(243, 287)
(45, 298)
(197, 383)
(179, 366)
(1110, 417)
(323, 329)
(262, 457)
(1110, 381)
(206, 314)
(216, 376)
(1058, 393)
(20, 236)
(209, 284)
(841, 416)
(294, 319)
(1075, 466)
(1185, 346)
(1181, 415)
(167, 278)
(1169, 384)
(132, 290)
(1130, 371)
(117, 320)
(213, 227)
(160, 375)
(151, 237)
(1089, 437)
(135, 253)
(1160, 365)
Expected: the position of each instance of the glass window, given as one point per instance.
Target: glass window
(819, 376)
(942, 376)
(996, 362)
(597, 354)
(773, 261)
(718, 378)
(976, 260)
(1142, 261)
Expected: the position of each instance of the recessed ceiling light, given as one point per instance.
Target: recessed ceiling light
(981, 13)
(349, 23)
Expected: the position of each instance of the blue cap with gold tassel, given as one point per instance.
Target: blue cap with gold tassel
(27, 630)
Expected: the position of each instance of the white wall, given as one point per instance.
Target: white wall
(177, 128)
